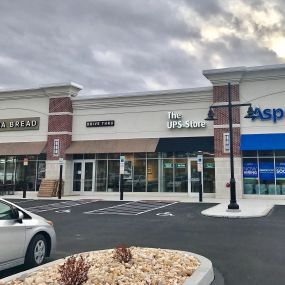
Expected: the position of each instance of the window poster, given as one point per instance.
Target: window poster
(266, 170)
(280, 170)
(250, 170)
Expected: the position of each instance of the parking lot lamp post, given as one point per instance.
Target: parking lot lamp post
(250, 114)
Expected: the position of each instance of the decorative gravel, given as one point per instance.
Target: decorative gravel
(148, 267)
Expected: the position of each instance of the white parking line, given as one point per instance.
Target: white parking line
(59, 205)
(132, 208)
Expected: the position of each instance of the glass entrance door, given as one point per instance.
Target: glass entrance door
(83, 176)
(194, 177)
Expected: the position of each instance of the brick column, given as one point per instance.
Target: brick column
(221, 126)
(59, 126)
(60, 129)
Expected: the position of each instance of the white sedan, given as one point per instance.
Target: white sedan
(25, 238)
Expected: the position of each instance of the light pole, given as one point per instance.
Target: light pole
(250, 114)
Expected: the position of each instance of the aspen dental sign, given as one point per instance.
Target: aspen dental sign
(19, 124)
(176, 121)
(275, 114)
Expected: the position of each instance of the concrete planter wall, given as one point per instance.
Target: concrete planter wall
(204, 274)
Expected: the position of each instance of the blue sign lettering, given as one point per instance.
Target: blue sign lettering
(269, 114)
(280, 170)
(250, 170)
(266, 171)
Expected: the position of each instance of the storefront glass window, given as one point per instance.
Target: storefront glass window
(20, 175)
(78, 156)
(249, 153)
(101, 155)
(209, 175)
(250, 176)
(265, 173)
(101, 175)
(113, 175)
(265, 153)
(266, 176)
(280, 176)
(88, 176)
(31, 175)
(113, 156)
(151, 172)
(2, 169)
(139, 179)
(89, 156)
(10, 168)
(128, 175)
(77, 171)
(140, 155)
(40, 173)
(152, 155)
(166, 182)
(152, 175)
(181, 175)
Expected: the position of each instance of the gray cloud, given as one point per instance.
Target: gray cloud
(112, 46)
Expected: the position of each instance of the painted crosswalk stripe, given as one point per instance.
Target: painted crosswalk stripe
(59, 205)
(133, 208)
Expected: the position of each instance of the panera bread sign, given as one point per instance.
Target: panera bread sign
(19, 124)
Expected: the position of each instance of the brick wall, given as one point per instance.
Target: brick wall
(220, 95)
(62, 104)
(60, 123)
(64, 142)
(60, 126)
(219, 140)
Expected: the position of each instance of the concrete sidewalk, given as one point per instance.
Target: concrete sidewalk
(115, 196)
(249, 207)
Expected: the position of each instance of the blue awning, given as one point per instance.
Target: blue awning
(262, 142)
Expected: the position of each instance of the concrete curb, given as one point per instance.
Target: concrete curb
(204, 274)
(242, 214)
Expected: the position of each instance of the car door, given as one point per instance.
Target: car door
(12, 235)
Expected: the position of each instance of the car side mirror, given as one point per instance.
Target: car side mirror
(20, 217)
(17, 215)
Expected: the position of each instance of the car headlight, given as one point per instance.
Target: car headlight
(50, 223)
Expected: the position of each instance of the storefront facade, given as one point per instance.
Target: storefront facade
(159, 134)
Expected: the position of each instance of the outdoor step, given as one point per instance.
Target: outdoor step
(48, 188)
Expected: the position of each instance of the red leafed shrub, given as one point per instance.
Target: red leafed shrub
(122, 254)
(74, 271)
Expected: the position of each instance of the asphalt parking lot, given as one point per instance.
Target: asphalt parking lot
(244, 251)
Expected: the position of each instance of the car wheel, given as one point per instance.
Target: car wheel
(37, 250)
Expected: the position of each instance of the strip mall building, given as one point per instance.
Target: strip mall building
(159, 134)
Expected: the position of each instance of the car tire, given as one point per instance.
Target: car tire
(37, 251)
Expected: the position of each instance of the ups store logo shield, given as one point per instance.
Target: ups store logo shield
(19, 124)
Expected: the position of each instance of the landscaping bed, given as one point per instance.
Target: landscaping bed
(146, 266)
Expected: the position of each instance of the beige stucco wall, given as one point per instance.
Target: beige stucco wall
(263, 94)
(25, 108)
(140, 122)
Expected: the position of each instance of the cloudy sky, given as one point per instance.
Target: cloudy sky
(113, 46)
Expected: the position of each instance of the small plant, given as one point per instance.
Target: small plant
(122, 254)
(74, 271)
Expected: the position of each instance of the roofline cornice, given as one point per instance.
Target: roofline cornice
(145, 99)
(56, 90)
(235, 75)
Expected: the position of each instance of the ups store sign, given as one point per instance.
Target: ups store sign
(19, 124)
